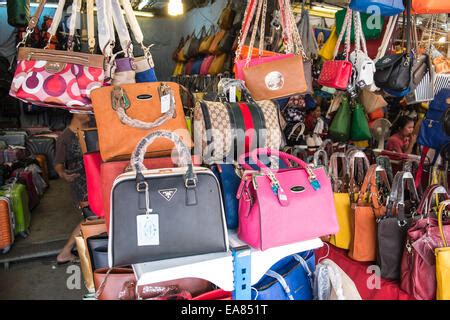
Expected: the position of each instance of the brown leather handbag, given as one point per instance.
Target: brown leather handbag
(115, 284)
(215, 44)
(365, 212)
(227, 16)
(128, 113)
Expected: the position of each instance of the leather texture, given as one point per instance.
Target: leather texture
(92, 167)
(261, 228)
(113, 283)
(116, 139)
(217, 65)
(360, 127)
(341, 124)
(443, 259)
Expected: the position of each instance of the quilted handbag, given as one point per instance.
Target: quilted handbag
(336, 73)
(288, 193)
(291, 278)
(186, 195)
(386, 7)
(126, 114)
(56, 78)
(92, 165)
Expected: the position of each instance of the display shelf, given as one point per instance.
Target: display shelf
(218, 267)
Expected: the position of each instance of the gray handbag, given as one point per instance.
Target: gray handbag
(392, 228)
(165, 213)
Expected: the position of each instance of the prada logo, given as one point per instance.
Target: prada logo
(167, 193)
(54, 67)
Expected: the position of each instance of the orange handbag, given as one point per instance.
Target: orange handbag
(365, 213)
(430, 6)
(214, 48)
(128, 113)
(377, 114)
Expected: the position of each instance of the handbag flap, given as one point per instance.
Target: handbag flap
(389, 61)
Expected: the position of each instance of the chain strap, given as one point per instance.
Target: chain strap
(347, 26)
(248, 16)
(255, 29)
(262, 35)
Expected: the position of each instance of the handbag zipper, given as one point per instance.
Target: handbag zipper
(56, 58)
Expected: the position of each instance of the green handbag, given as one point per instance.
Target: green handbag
(360, 127)
(18, 12)
(340, 126)
(369, 33)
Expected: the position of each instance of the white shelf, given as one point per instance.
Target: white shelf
(218, 267)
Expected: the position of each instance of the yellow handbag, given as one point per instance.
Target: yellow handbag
(443, 260)
(343, 238)
(217, 64)
(214, 48)
(206, 42)
(327, 51)
(178, 71)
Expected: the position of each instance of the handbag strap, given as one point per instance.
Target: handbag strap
(101, 288)
(346, 28)
(392, 23)
(58, 16)
(339, 181)
(295, 127)
(254, 32)
(105, 25)
(90, 25)
(282, 281)
(121, 28)
(321, 154)
(442, 208)
(360, 42)
(304, 264)
(248, 17)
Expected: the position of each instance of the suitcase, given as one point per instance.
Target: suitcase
(12, 155)
(26, 177)
(18, 196)
(6, 225)
(47, 146)
(14, 138)
(42, 159)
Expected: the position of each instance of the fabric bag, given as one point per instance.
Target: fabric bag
(360, 127)
(336, 73)
(57, 78)
(289, 279)
(392, 228)
(288, 192)
(386, 7)
(186, 195)
(126, 114)
(442, 259)
(418, 267)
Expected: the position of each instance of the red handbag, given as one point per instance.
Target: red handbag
(418, 268)
(92, 165)
(111, 170)
(337, 73)
(206, 64)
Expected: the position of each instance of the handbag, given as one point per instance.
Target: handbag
(176, 53)
(365, 212)
(370, 30)
(392, 228)
(341, 125)
(98, 250)
(206, 64)
(339, 180)
(126, 114)
(418, 268)
(214, 48)
(386, 7)
(288, 193)
(332, 283)
(18, 12)
(430, 6)
(195, 44)
(196, 66)
(336, 73)
(217, 65)
(289, 279)
(56, 78)
(111, 284)
(227, 16)
(360, 127)
(327, 51)
(224, 130)
(393, 71)
(158, 203)
(206, 42)
(92, 163)
(276, 77)
(442, 259)
(371, 101)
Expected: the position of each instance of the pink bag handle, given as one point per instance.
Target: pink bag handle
(246, 166)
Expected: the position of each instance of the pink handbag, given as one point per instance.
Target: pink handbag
(205, 65)
(286, 206)
(92, 165)
(240, 64)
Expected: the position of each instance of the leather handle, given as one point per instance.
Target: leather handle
(246, 166)
(184, 158)
(35, 18)
(427, 198)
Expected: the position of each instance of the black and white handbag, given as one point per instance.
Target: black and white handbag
(165, 213)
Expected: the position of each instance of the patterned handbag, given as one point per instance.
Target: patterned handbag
(336, 73)
(55, 78)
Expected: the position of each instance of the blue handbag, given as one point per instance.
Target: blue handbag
(432, 133)
(229, 178)
(387, 7)
(145, 71)
(196, 66)
(291, 278)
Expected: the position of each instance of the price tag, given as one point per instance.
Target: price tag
(148, 230)
(165, 103)
(233, 94)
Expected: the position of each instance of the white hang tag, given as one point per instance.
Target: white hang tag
(147, 230)
(233, 94)
(165, 103)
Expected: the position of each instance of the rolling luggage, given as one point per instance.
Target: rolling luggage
(6, 225)
(14, 138)
(42, 159)
(26, 177)
(46, 146)
(17, 193)
(12, 154)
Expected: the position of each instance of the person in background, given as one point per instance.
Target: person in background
(403, 138)
(70, 166)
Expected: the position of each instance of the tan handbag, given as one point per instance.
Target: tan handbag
(217, 66)
(128, 113)
(372, 101)
(214, 48)
(206, 42)
(85, 263)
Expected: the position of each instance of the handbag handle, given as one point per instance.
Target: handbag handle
(121, 28)
(295, 127)
(243, 163)
(371, 180)
(317, 156)
(121, 102)
(346, 28)
(338, 182)
(442, 207)
(184, 159)
(425, 205)
(106, 34)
